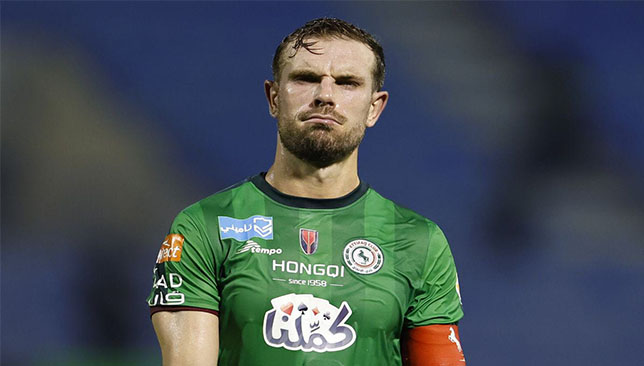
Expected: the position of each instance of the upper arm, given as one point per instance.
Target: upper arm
(187, 337)
(436, 298)
(185, 299)
(431, 337)
(187, 267)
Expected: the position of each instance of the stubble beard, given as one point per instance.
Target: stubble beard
(318, 144)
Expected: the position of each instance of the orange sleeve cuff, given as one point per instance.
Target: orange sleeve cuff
(432, 345)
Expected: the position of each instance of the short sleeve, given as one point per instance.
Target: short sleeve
(437, 300)
(185, 274)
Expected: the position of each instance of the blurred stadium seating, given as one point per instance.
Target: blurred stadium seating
(517, 127)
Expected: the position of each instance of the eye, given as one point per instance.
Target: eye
(348, 82)
(307, 78)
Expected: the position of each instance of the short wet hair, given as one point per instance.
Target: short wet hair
(330, 28)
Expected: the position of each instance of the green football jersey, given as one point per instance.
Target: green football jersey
(298, 281)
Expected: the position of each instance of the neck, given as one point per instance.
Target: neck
(292, 176)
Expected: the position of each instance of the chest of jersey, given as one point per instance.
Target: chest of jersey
(311, 281)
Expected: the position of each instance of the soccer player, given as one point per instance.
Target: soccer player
(306, 264)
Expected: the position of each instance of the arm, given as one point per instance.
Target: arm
(187, 338)
(184, 301)
(430, 337)
(432, 345)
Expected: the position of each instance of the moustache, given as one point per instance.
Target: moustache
(322, 111)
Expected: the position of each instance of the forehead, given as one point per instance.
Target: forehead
(332, 55)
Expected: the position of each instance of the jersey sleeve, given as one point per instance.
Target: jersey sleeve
(186, 269)
(437, 299)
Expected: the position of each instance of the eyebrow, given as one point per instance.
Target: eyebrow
(297, 74)
(309, 74)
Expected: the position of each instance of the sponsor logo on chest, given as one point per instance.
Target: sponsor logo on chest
(303, 322)
(319, 269)
(244, 229)
(253, 247)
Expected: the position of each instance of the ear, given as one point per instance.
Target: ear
(378, 103)
(270, 89)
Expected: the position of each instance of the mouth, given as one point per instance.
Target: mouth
(322, 118)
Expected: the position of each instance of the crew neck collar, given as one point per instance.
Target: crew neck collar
(260, 182)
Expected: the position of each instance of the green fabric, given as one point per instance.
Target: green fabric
(414, 284)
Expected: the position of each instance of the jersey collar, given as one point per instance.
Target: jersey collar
(260, 182)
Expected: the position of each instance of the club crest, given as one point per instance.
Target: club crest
(308, 241)
(363, 256)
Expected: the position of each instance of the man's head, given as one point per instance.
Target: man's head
(325, 28)
(326, 93)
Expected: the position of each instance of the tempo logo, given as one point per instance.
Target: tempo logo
(171, 249)
(253, 247)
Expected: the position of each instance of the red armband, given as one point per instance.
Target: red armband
(432, 345)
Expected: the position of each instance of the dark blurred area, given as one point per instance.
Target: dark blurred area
(517, 126)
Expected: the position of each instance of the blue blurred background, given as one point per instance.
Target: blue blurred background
(517, 127)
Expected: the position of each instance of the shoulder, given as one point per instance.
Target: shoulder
(403, 215)
(220, 200)
(199, 222)
(204, 213)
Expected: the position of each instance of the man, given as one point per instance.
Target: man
(305, 264)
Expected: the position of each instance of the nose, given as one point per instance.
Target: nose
(324, 93)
